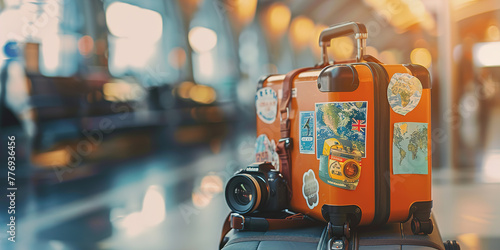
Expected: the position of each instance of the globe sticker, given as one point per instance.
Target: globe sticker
(310, 189)
(404, 93)
(265, 150)
(266, 104)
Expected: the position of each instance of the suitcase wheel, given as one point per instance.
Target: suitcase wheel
(451, 245)
(421, 227)
(344, 230)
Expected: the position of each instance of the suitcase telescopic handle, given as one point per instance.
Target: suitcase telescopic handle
(344, 29)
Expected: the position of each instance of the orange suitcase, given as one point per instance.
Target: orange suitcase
(352, 139)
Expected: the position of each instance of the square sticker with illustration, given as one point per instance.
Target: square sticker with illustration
(409, 149)
(306, 135)
(344, 121)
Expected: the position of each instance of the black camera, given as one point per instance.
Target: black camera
(259, 187)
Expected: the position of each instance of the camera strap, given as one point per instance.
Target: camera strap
(255, 223)
(284, 145)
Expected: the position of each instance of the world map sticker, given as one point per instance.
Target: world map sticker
(265, 150)
(409, 149)
(266, 104)
(343, 121)
(404, 93)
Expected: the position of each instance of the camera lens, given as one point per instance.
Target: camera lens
(351, 169)
(243, 193)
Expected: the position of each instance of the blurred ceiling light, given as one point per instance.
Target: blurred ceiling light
(131, 53)
(200, 199)
(122, 91)
(487, 54)
(132, 224)
(245, 10)
(211, 184)
(59, 157)
(423, 16)
(491, 170)
(277, 18)
(206, 64)
(50, 52)
(177, 57)
(85, 45)
(202, 94)
(153, 206)
(342, 48)
(421, 56)
(388, 57)
(301, 29)
(53, 47)
(183, 89)
(314, 41)
(492, 33)
(153, 213)
(202, 39)
(402, 14)
(130, 21)
(469, 241)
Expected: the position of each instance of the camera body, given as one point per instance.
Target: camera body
(258, 187)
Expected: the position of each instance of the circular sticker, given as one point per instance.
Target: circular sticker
(310, 189)
(266, 103)
(265, 150)
(404, 93)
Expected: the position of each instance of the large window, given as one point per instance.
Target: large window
(53, 24)
(145, 41)
(215, 60)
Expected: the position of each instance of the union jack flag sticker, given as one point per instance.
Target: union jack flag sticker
(359, 125)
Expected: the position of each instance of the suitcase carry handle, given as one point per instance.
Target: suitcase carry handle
(344, 29)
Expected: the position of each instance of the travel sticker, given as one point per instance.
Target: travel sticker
(338, 166)
(404, 93)
(266, 104)
(306, 131)
(310, 189)
(265, 150)
(409, 149)
(344, 121)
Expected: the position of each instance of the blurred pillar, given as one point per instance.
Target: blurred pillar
(446, 132)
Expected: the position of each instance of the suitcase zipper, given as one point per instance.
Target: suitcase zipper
(382, 144)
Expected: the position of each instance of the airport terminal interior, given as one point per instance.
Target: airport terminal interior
(129, 116)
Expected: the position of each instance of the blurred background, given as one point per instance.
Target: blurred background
(129, 115)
